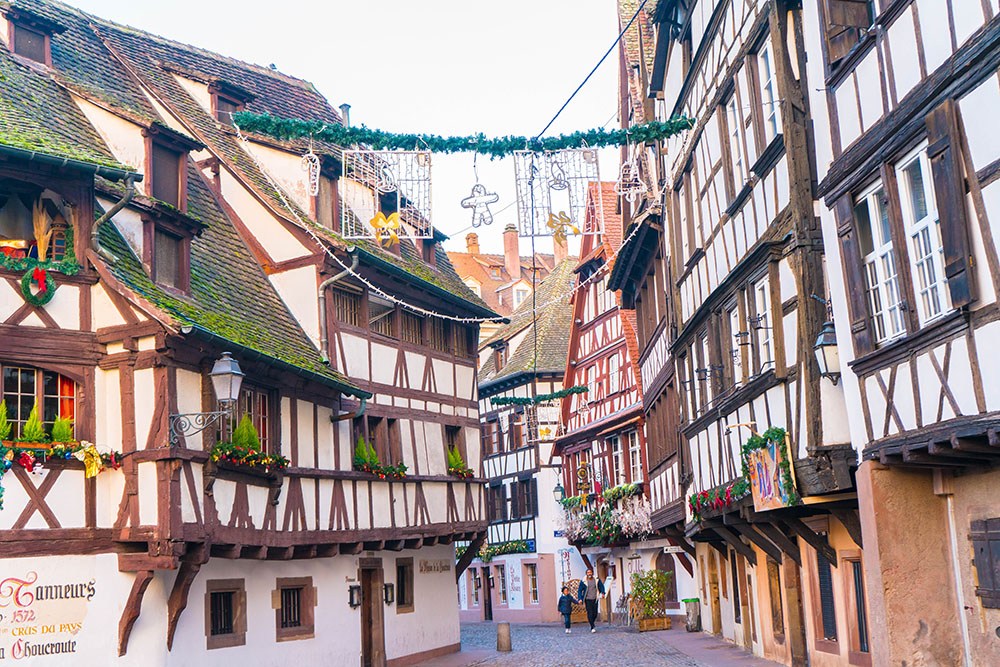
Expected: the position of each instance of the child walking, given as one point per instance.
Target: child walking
(566, 607)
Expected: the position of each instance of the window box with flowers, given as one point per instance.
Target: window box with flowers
(243, 455)
(366, 460)
(456, 465)
(601, 520)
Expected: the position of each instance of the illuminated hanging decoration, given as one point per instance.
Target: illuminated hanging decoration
(630, 184)
(479, 201)
(386, 195)
(552, 188)
(311, 165)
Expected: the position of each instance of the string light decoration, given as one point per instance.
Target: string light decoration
(311, 165)
(378, 185)
(479, 201)
(289, 129)
(552, 189)
(630, 184)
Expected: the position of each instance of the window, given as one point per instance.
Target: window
(497, 503)
(474, 286)
(871, 215)
(294, 616)
(411, 327)
(380, 315)
(517, 431)
(255, 403)
(762, 324)
(923, 229)
(225, 613)
(531, 582)
(501, 583)
(847, 22)
(165, 181)
(824, 578)
(734, 121)
(475, 582)
(24, 214)
(440, 335)
(617, 464)
(707, 370)
(347, 307)
(857, 614)
(523, 498)
(23, 387)
(167, 258)
(774, 592)
(634, 456)
(384, 435)
(736, 341)
(488, 437)
(224, 109)
(404, 585)
(520, 294)
(770, 100)
(614, 374)
(462, 335)
(453, 439)
(737, 610)
(985, 536)
(30, 44)
(500, 356)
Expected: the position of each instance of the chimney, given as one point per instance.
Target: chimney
(472, 243)
(511, 254)
(345, 113)
(560, 249)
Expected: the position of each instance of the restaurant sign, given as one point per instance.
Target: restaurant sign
(772, 481)
(40, 616)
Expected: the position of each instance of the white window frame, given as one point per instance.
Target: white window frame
(734, 121)
(617, 462)
(736, 326)
(520, 295)
(924, 237)
(885, 303)
(634, 456)
(614, 374)
(763, 340)
(770, 102)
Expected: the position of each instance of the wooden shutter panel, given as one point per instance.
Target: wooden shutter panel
(985, 538)
(844, 19)
(949, 191)
(854, 275)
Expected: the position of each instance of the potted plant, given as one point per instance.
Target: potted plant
(456, 465)
(692, 607)
(33, 432)
(649, 590)
(366, 460)
(243, 453)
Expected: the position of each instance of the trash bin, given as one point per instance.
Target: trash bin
(693, 608)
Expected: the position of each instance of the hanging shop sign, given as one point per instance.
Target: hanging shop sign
(768, 468)
(42, 615)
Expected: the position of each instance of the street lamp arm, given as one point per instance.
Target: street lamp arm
(193, 423)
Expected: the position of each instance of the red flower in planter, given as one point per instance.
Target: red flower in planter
(27, 461)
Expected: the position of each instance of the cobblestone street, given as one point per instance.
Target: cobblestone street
(549, 646)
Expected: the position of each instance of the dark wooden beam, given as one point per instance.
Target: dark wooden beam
(256, 553)
(812, 538)
(280, 553)
(227, 550)
(788, 546)
(305, 551)
(748, 531)
(470, 553)
(132, 608)
(974, 446)
(327, 550)
(940, 449)
(851, 521)
(586, 559)
(678, 538)
(138, 562)
(414, 543)
(352, 548)
(735, 542)
(394, 545)
(178, 599)
(377, 545)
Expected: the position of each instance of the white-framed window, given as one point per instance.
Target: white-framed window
(502, 583)
(923, 229)
(531, 582)
(520, 294)
(762, 323)
(617, 463)
(736, 339)
(871, 216)
(707, 370)
(734, 119)
(695, 384)
(614, 374)
(634, 456)
(770, 102)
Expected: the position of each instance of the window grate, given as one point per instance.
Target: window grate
(222, 612)
(291, 607)
(827, 609)
(859, 604)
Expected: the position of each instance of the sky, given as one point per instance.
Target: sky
(434, 66)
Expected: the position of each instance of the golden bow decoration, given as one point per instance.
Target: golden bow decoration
(559, 224)
(385, 228)
(91, 458)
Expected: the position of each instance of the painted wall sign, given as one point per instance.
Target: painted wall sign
(767, 479)
(41, 616)
(442, 565)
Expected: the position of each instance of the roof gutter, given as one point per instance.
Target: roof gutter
(112, 173)
(324, 338)
(252, 354)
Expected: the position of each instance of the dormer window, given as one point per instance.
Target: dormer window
(166, 165)
(29, 35)
(227, 99)
(168, 254)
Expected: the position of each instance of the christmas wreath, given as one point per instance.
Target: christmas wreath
(41, 279)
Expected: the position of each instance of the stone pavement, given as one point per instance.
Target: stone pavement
(610, 646)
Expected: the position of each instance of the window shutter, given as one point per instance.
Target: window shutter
(854, 276)
(985, 537)
(533, 491)
(844, 21)
(949, 191)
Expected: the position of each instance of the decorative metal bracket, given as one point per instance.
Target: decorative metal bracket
(193, 423)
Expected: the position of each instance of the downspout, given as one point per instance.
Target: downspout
(324, 338)
(110, 213)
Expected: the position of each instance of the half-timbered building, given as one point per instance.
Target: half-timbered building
(736, 309)
(908, 155)
(125, 285)
(524, 560)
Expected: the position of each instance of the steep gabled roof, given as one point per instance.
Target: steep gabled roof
(639, 48)
(550, 326)
(230, 296)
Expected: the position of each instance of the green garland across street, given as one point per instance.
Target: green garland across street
(288, 129)
(541, 398)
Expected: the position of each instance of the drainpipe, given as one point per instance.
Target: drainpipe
(360, 412)
(324, 339)
(110, 213)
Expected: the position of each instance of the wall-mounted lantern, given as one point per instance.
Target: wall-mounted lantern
(388, 593)
(227, 378)
(559, 492)
(354, 596)
(827, 354)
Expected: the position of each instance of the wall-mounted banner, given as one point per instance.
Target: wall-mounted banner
(42, 615)
(772, 486)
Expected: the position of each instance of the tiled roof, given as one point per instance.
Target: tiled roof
(639, 45)
(551, 326)
(37, 115)
(230, 296)
(477, 266)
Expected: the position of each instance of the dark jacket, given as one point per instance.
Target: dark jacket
(581, 592)
(566, 604)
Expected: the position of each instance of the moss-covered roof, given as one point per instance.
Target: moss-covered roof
(37, 115)
(230, 296)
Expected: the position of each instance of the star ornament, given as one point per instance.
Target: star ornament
(386, 228)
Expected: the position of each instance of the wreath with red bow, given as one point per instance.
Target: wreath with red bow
(37, 286)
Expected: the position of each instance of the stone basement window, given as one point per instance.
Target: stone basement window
(294, 602)
(225, 613)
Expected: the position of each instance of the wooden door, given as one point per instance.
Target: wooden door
(372, 614)
(487, 594)
(713, 591)
(744, 589)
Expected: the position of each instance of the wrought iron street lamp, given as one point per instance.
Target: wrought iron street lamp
(827, 354)
(227, 378)
(559, 492)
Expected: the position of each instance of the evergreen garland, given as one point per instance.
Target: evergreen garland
(287, 129)
(541, 398)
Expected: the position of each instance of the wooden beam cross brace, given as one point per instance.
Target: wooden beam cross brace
(748, 531)
(851, 521)
(734, 541)
(469, 554)
(132, 608)
(812, 538)
(788, 546)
